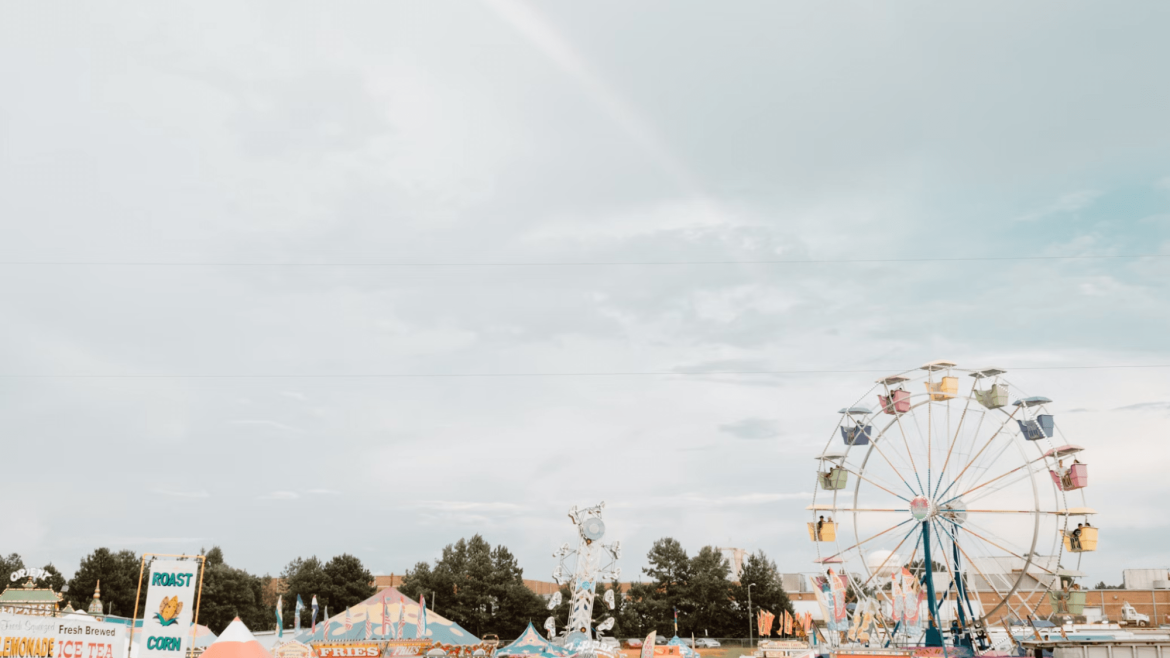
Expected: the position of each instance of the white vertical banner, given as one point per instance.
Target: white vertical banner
(170, 605)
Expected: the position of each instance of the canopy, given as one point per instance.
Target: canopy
(439, 628)
(531, 644)
(682, 647)
(1063, 451)
(236, 641)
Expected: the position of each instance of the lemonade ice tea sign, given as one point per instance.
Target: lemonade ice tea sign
(170, 601)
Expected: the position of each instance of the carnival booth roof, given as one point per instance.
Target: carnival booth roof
(683, 648)
(236, 641)
(530, 644)
(439, 628)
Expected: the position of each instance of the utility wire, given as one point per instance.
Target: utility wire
(485, 375)
(502, 264)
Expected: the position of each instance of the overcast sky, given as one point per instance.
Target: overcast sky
(231, 135)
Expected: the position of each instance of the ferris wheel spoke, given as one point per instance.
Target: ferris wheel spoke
(1003, 599)
(985, 445)
(954, 441)
(909, 453)
(888, 557)
(1027, 561)
(1026, 465)
(866, 479)
(866, 541)
(1000, 487)
(878, 448)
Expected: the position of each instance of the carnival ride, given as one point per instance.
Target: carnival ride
(587, 565)
(958, 499)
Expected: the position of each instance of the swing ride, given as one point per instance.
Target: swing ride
(947, 509)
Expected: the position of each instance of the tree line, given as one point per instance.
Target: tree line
(482, 589)
(228, 591)
(476, 585)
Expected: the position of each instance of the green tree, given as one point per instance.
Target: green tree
(52, 579)
(709, 595)
(350, 582)
(669, 571)
(7, 566)
(229, 593)
(306, 577)
(340, 582)
(118, 573)
(478, 587)
(767, 591)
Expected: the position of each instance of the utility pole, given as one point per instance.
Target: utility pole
(751, 640)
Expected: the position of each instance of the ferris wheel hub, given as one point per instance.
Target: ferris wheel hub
(923, 508)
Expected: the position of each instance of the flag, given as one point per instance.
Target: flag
(325, 621)
(297, 619)
(314, 622)
(399, 632)
(279, 618)
(787, 623)
(385, 619)
(420, 630)
(348, 619)
(369, 625)
(648, 646)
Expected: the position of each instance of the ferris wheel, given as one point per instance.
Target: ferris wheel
(960, 483)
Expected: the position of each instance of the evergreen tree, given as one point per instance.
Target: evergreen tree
(766, 594)
(478, 587)
(229, 593)
(7, 566)
(118, 573)
(709, 594)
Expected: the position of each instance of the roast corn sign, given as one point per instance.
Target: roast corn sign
(24, 636)
(170, 602)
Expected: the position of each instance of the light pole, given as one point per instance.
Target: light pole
(751, 641)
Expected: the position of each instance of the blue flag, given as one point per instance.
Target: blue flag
(297, 619)
(279, 618)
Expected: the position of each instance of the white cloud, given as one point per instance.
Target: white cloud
(279, 495)
(202, 493)
(1067, 203)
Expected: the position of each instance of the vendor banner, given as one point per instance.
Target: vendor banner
(349, 650)
(170, 605)
(26, 636)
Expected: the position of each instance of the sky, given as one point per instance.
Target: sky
(304, 278)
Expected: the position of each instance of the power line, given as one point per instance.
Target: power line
(488, 375)
(504, 264)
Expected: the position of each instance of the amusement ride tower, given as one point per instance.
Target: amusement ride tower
(594, 562)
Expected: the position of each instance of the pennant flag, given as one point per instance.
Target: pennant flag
(648, 646)
(326, 622)
(279, 617)
(348, 619)
(787, 623)
(314, 622)
(385, 618)
(297, 619)
(369, 625)
(420, 630)
(401, 630)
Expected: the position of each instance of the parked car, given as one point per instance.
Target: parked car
(658, 639)
(689, 642)
(634, 643)
(707, 643)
